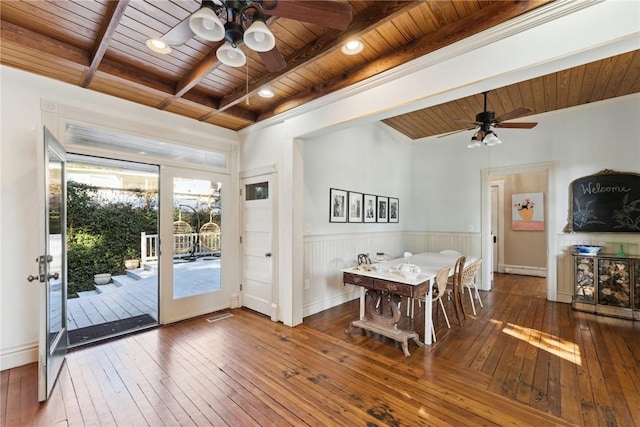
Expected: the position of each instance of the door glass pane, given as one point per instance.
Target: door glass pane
(56, 226)
(258, 191)
(196, 236)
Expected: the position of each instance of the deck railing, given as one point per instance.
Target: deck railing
(184, 245)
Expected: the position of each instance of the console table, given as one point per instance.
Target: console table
(607, 284)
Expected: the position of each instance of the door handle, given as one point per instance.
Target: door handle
(268, 254)
(32, 278)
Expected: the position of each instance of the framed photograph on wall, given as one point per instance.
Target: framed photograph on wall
(337, 205)
(355, 206)
(369, 208)
(394, 209)
(383, 209)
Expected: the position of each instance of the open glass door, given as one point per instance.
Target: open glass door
(52, 273)
(192, 265)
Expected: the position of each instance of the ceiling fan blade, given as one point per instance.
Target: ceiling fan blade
(513, 114)
(273, 60)
(179, 35)
(332, 14)
(516, 125)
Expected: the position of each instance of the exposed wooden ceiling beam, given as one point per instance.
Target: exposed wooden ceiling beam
(114, 14)
(11, 33)
(460, 29)
(365, 21)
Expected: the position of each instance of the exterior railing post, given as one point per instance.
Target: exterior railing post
(143, 248)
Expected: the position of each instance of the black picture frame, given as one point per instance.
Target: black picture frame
(382, 209)
(369, 205)
(394, 209)
(355, 210)
(337, 205)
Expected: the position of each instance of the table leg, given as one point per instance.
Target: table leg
(428, 309)
(362, 301)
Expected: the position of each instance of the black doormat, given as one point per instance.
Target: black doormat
(102, 330)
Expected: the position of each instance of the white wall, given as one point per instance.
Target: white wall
(581, 140)
(367, 159)
(20, 136)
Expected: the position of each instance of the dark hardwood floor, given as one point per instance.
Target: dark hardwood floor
(521, 361)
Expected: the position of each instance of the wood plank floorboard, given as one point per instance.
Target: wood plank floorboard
(520, 361)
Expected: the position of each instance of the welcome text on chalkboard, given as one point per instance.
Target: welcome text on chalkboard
(608, 201)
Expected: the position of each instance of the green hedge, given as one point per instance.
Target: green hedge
(104, 232)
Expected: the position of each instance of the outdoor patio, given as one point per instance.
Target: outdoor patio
(136, 294)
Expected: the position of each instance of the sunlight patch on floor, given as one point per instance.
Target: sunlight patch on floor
(567, 350)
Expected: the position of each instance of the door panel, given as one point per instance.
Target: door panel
(52, 268)
(258, 292)
(192, 267)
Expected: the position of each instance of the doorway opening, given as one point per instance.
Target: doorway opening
(111, 206)
(517, 228)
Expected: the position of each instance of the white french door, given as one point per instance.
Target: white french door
(193, 277)
(52, 267)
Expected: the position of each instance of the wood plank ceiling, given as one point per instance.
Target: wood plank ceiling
(100, 45)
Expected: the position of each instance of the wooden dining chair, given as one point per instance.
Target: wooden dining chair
(468, 281)
(456, 290)
(438, 291)
(452, 253)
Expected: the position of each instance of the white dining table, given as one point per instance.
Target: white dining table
(385, 273)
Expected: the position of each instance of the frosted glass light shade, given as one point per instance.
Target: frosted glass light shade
(231, 56)
(491, 139)
(206, 24)
(259, 38)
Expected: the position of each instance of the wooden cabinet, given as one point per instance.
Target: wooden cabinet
(607, 284)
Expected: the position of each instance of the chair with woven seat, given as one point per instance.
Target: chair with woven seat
(438, 290)
(468, 281)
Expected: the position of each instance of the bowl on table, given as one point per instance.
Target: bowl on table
(587, 249)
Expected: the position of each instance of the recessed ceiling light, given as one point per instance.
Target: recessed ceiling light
(352, 47)
(158, 45)
(266, 93)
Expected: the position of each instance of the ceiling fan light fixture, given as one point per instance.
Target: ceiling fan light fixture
(258, 37)
(158, 45)
(352, 47)
(206, 24)
(231, 55)
(475, 142)
(491, 139)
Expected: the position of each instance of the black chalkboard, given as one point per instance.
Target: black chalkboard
(608, 201)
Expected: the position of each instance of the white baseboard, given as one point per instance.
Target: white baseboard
(318, 306)
(523, 270)
(18, 356)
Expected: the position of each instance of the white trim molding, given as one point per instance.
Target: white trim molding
(19, 355)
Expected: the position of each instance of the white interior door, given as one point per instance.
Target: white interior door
(52, 267)
(495, 206)
(194, 278)
(258, 255)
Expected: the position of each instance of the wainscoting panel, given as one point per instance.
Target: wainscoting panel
(326, 255)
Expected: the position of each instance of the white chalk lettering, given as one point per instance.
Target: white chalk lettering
(597, 188)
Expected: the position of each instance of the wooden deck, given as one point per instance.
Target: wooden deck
(137, 294)
(521, 361)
